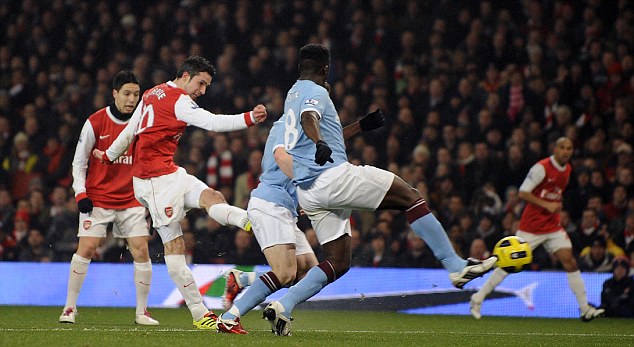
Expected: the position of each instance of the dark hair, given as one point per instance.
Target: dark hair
(123, 77)
(599, 241)
(313, 57)
(195, 65)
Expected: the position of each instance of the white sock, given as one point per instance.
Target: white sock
(579, 288)
(497, 276)
(226, 214)
(77, 274)
(183, 278)
(142, 281)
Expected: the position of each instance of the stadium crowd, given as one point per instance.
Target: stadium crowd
(475, 94)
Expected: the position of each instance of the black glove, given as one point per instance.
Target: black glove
(84, 205)
(322, 155)
(372, 120)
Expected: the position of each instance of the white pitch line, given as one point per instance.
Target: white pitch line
(423, 332)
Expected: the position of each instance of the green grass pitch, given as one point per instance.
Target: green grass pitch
(38, 326)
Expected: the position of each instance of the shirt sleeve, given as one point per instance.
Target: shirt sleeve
(535, 177)
(315, 103)
(82, 155)
(122, 142)
(189, 112)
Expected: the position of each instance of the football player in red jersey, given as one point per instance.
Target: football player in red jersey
(105, 195)
(165, 188)
(540, 224)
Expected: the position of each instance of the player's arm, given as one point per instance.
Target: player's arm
(310, 125)
(535, 176)
(189, 112)
(370, 121)
(122, 142)
(283, 160)
(80, 166)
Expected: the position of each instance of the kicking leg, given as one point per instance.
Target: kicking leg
(214, 202)
(405, 198)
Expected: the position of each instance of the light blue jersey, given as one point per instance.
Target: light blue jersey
(306, 95)
(274, 185)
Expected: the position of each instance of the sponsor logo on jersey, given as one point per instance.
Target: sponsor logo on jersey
(87, 224)
(555, 195)
(124, 159)
(101, 137)
(312, 102)
(169, 211)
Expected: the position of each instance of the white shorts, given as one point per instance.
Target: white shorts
(330, 199)
(169, 197)
(275, 225)
(129, 222)
(552, 241)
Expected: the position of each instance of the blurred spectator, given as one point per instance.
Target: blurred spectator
(597, 258)
(617, 295)
(15, 240)
(247, 181)
(7, 210)
(479, 250)
(36, 249)
(487, 231)
(22, 166)
(417, 254)
(246, 250)
(62, 232)
(377, 254)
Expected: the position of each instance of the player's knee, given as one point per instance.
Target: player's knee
(412, 196)
(210, 197)
(140, 253)
(87, 250)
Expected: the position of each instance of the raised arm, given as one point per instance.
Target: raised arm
(370, 121)
(189, 112)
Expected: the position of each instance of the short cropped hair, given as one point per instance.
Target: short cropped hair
(313, 57)
(195, 65)
(123, 77)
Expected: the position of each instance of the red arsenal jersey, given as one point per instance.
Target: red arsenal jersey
(551, 180)
(108, 186)
(158, 123)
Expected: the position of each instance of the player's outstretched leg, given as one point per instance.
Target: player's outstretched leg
(427, 227)
(214, 202)
(475, 268)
